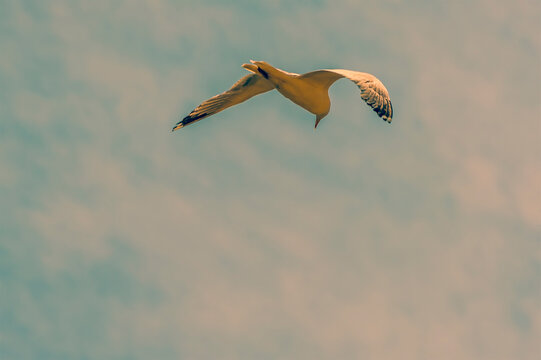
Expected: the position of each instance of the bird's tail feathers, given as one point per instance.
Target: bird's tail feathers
(250, 67)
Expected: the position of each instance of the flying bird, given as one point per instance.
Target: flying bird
(310, 91)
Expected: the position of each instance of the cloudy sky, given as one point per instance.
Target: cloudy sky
(249, 235)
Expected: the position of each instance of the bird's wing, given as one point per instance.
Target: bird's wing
(247, 87)
(373, 92)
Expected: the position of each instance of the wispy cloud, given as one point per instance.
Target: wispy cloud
(249, 235)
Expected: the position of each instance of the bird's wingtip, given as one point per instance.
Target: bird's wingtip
(387, 119)
(177, 126)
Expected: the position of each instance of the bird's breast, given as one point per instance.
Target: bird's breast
(313, 99)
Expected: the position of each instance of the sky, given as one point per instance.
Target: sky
(249, 235)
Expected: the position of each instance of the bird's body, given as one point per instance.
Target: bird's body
(310, 91)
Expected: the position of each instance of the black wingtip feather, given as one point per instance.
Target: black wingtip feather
(188, 120)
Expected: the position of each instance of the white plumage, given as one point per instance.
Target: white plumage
(310, 91)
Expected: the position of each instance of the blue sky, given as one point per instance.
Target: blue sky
(250, 235)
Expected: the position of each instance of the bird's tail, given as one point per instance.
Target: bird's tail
(262, 68)
(250, 67)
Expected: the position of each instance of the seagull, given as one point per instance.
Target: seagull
(310, 91)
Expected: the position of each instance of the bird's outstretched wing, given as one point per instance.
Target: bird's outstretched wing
(373, 92)
(247, 87)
